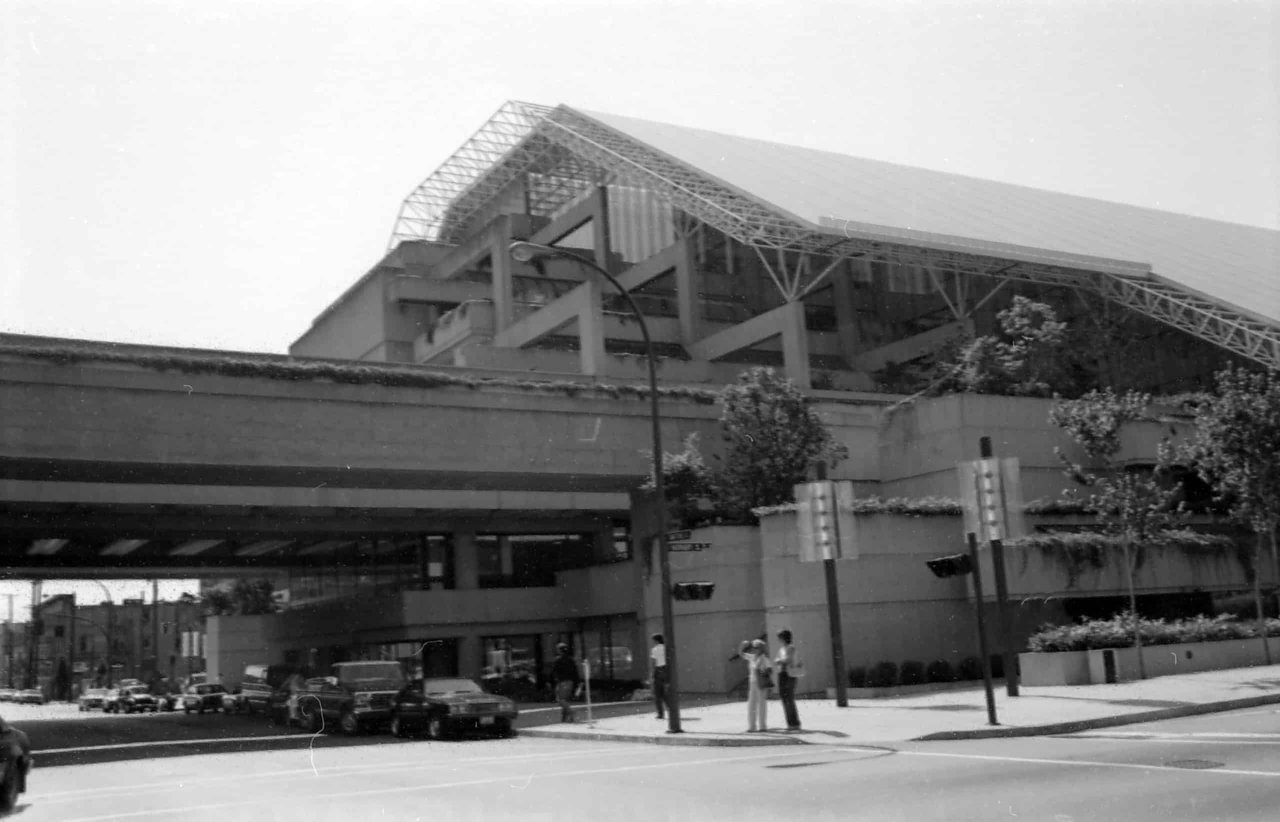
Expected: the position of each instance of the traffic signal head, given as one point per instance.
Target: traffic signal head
(685, 591)
(950, 566)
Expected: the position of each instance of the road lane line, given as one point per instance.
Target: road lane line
(1174, 735)
(124, 745)
(1084, 763)
(178, 783)
(294, 800)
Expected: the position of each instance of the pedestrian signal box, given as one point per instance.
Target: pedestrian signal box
(950, 566)
(685, 591)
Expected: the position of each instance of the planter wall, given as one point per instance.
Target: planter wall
(1121, 664)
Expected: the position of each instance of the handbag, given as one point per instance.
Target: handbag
(764, 677)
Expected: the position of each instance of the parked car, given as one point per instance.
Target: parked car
(446, 707)
(277, 709)
(15, 764)
(138, 699)
(258, 684)
(30, 696)
(128, 700)
(92, 699)
(356, 696)
(7, 694)
(168, 701)
(201, 698)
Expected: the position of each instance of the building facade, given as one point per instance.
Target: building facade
(441, 470)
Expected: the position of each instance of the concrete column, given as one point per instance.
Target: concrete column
(688, 286)
(502, 265)
(844, 295)
(466, 565)
(507, 563)
(591, 328)
(795, 344)
(470, 656)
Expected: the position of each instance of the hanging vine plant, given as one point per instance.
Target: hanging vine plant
(1081, 552)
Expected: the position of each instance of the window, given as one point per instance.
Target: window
(531, 560)
(512, 664)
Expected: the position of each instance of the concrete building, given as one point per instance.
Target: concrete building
(440, 471)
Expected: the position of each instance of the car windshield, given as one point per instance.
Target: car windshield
(386, 675)
(448, 687)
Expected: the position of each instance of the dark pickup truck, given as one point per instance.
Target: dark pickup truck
(354, 697)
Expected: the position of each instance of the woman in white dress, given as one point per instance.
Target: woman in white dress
(756, 654)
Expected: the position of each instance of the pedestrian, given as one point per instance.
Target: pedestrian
(658, 673)
(564, 672)
(759, 683)
(790, 668)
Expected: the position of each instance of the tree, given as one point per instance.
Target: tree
(686, 479)
(246, 598)
(771, 439)
(1134, 506)
(1236, 449)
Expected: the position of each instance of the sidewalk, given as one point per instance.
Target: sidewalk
(952, 714)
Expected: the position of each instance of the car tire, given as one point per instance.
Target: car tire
(504, 729)
(10, 788)
(315, 722)
(436, 728)
(186, 710)
(398, 730)
(348, 723)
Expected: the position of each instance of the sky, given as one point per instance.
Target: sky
(214, 174)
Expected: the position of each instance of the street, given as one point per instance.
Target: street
(1216, 767)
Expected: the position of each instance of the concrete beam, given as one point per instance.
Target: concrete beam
(912, 347)
(546, 320)
(740, 336)
(568, 222)
(422, 291)
(467, 255)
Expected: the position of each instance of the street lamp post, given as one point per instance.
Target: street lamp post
(111, 610)
(522, 251)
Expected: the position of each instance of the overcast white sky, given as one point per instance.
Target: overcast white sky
(214, 174)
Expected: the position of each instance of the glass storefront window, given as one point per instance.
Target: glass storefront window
(512, 665)
(530, 560)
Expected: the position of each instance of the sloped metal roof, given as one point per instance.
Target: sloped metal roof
(1232, 264)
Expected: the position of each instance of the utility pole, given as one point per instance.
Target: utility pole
(33, 643)
(155, 628)
(8, 642)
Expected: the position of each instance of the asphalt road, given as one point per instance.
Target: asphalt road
(1217, 767)
(61, 735)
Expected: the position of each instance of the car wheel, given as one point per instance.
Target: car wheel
(348, 723)
(435, 728)
(504, 729)
(10, 788)
(398, 728)
(316, 721)
(186, 710)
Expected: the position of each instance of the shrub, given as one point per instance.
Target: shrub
(912, 673)
(858, 677)
(970, 668)
(940, 671)
(1117, 632)
(883, 675)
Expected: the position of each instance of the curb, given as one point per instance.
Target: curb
(684, 739)
(1102, 721)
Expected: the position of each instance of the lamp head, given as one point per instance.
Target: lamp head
(523, 252)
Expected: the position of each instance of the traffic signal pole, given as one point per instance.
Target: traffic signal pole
(833, 608)
(982, 629)
(1008, 658)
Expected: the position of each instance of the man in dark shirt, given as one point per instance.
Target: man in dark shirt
(564, 672)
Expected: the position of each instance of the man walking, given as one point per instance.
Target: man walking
(564, 672)
(658, 673)
(790, 668)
